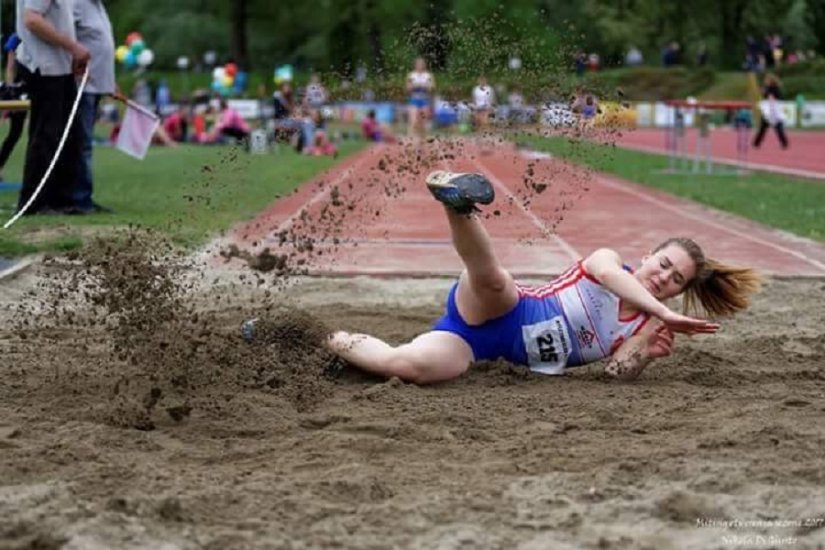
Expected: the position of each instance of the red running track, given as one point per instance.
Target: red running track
(804, 157)
(372, 215)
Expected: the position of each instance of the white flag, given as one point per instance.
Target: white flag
(136, 132)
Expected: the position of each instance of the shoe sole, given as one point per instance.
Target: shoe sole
(473, 187)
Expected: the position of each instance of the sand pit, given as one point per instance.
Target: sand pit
(191, 438)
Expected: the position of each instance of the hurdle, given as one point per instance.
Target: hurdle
(700, 161)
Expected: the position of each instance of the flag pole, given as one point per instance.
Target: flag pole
(129, 103)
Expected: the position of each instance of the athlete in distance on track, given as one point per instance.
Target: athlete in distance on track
(597, 309)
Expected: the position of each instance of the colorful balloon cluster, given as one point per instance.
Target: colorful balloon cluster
(228, 79)
(134, 52)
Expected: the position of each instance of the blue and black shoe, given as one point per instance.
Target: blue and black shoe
(460, 191)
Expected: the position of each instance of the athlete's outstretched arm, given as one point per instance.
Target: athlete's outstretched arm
(652, 342)
(606, 266)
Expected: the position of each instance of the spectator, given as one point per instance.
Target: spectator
(177, 124)
(634, 57)
(94, 31)
(321, 146)
(702, 55)
(230, 125)
(420, 86)
(580, 61)
(163, 97)
(594, 62)
(142, 93)
(771, 112)
(372, 130)
(515, 104)
(484, 99)
(671, 55)
(316, 95)
(17, 119)
(283, 101)
(49, 58)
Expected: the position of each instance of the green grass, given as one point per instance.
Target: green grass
(189, 193)
(791, 204)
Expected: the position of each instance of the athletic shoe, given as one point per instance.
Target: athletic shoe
(460, 191)
(248, 330)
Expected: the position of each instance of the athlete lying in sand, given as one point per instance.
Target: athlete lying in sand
(599, 308)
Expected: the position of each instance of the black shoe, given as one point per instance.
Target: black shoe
(460, 191)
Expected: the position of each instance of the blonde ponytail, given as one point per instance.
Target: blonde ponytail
(717, 289)
(721, 290)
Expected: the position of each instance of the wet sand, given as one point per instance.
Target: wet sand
(172, 432)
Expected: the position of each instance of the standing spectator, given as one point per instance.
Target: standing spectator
(702, 55)
(580, 61)
(49, 58)
(94, 32)
(142, 93)
(17, 119)
(420, 86)
(771, 113)
(484, 99)
(316, 95)
(163, 98)
(634, 57)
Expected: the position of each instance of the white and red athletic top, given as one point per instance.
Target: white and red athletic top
(592, 330)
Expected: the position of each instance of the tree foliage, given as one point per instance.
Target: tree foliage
(469, 36)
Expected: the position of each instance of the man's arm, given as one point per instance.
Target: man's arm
(43, 29)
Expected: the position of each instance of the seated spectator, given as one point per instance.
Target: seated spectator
(230, 125)
(282, 101)
(372, 130)
(321, 145)
(177, 124)
(199, 130)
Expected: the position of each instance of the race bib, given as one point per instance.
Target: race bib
(548, 345)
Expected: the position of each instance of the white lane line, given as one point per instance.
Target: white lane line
(569, 250)
(702, 219)
(732, 162)
(323, 193)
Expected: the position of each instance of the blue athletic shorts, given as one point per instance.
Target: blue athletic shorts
(532, 333)
(495, 338)
(420, 102)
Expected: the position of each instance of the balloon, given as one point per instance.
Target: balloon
(137, 46)
(145, 58)
(132, 36)
(227, 81)
(283, 74)
(216, 85)
(218, 73)
(130, 60)
(231, 69)
(120, 53)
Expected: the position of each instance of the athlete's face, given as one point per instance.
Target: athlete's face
(666, 273)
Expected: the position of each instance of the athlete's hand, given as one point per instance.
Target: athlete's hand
(677, 322)
(660, 343)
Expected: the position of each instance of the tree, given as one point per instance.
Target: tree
(238, 37)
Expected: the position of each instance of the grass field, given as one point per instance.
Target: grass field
(786, 203)
(192, 193)
(189, 193)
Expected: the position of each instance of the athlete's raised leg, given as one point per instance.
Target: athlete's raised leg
(431, 357)
(485, 290)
